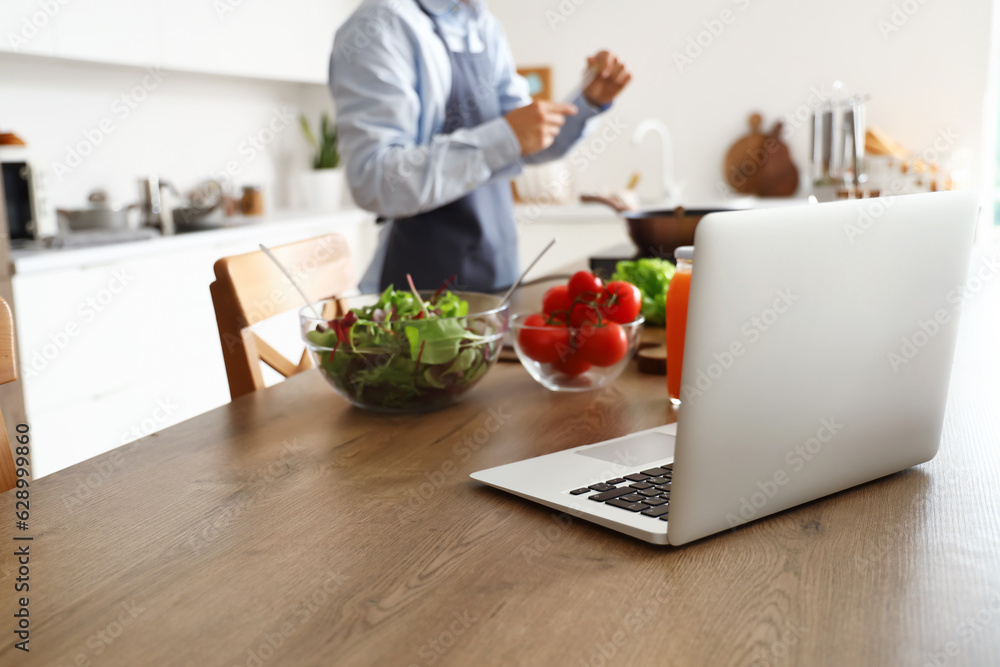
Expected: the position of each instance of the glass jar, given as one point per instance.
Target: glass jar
(252, 202)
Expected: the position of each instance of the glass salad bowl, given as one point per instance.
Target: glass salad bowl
(391, 353)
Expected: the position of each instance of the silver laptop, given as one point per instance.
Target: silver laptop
(818, 352)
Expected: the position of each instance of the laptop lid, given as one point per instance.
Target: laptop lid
(818, 352)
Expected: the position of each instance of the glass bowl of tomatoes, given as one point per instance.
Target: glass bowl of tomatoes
(585, 335)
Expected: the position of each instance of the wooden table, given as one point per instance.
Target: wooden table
(287, 528)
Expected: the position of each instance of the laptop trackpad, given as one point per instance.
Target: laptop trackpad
(633, 451)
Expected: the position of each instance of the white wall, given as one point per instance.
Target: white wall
(929, 75)
(187, 127)
(926, 77)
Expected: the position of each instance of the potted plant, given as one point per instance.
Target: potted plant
(323, 186)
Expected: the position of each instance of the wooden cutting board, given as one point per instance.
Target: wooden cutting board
(760, 163)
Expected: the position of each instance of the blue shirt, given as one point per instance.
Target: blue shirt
(390, 76)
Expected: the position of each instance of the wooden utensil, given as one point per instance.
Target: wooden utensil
(739, 167)
(760, 164)
(778, 175)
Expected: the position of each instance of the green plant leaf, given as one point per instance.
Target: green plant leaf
(307, 131)
(326, 154)
(439, 338)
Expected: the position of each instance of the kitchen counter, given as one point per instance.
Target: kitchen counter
(592, 212)
(33, 260)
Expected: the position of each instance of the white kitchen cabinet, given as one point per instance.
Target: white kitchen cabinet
(286, 41)
(27, 26)
(122, 341)
(114, 31)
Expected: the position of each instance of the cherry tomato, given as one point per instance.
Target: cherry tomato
(584, 313)
(603, 345)
(557, 300)
(571, 364)
(542, 342)
(586, 284)
(621, 301)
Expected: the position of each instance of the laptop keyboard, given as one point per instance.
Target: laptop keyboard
(646, 492)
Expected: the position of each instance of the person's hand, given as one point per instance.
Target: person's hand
(611, 78)
(537, 124)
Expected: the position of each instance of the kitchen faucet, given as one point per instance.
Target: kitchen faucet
(671, 189)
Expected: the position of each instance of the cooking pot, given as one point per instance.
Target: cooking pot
(657, 233)
(100, 215)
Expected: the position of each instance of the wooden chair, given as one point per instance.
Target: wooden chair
(250, 288)
(8, 373)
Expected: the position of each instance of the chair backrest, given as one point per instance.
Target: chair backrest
(8, 373)
(250, 288)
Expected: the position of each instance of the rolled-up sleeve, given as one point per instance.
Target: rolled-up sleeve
(514, 94)
(378, 111)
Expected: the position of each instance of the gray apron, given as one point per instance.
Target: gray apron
(472, 240)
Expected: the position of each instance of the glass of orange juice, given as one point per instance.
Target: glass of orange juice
(677, 309)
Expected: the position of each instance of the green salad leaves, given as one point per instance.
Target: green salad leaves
(652, 276)
(403, 352)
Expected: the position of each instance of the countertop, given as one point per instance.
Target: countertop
(31, 260)
(580, 212)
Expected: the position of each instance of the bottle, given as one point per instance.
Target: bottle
(677, 309)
